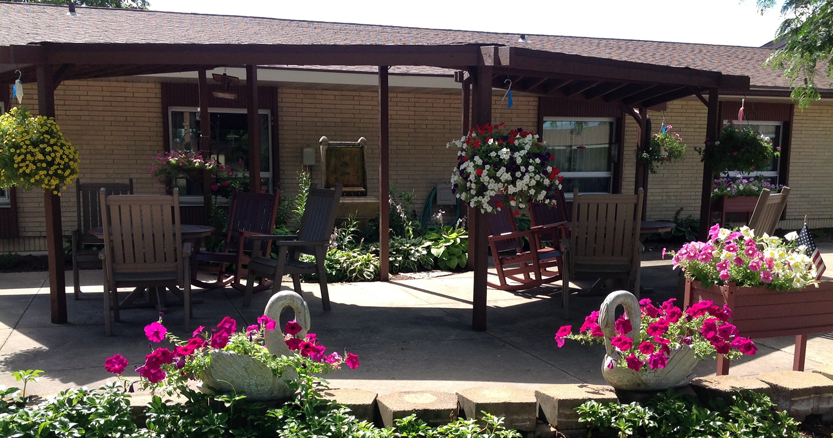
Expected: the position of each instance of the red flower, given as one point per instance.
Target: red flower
(293, 344)
(516, 213)
(292, 328)
(115, 364)
(479, 172)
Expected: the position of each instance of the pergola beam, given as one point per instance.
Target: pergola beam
(241, 54)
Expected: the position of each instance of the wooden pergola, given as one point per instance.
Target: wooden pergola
(631, 86)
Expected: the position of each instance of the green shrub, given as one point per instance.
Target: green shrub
(749, 414)
(9, 261)
(449, 245)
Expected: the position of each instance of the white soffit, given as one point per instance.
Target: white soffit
(266, 74)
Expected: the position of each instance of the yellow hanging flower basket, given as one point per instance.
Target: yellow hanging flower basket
(34, 153)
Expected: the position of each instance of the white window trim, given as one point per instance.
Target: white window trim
(576, 175)
(5, 198)
(195, 200)
(760, 173)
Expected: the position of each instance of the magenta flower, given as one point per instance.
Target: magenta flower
(227, 325)
(755, 265)
(623, 343)
(657, 360)
(252, 328)
(745, 345)
(646, 348)
(292, 328)
(709, 329)
(219, 340)
(766, 276)
(155, 331)
(153, 375)
(673, 314)
(657, 328)
(724, 275)
(705, 256)
(737, 261)
(714, 231)
(727, 331)
(198, 331)
(722, 265)
(623, 326)
(562, 333)
(352, 361)
(333, 358)
(311, 338)
(115, 364)
(633, 362)
(293, 344)
(267, 322)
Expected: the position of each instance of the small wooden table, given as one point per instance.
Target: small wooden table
(190, 233)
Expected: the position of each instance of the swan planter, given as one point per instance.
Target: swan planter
(230, 372)
(652, 348)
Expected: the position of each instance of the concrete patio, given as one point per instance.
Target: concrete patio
(409, 334)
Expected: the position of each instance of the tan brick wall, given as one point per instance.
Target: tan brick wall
(811, 172)
(420, 127)
(115, 125)
(675, 185)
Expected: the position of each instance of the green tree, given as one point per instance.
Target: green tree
(125, 4)
(808, 42)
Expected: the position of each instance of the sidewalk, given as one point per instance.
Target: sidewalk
(409, 334)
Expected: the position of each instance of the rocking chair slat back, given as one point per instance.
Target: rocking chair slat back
(502, 222)
(768, 211)
(319, 216)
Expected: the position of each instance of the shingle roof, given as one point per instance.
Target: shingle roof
(26, 23)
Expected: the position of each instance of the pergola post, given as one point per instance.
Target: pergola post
(465, 124)
(478, 222)
(205, 137)
(641, 177)
(52, 207)
(712, 125)
(254, 128)
(384, 174)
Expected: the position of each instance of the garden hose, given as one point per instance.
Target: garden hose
(428, 210)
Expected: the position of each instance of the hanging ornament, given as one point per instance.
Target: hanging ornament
(17, 88)
(740, 111)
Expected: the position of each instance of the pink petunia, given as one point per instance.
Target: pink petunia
(745, 345)
(727, 331)
(333, 358)
(198, 331)
(709, 329)
(311, 338)
(562, 333)
(737, 261)
(352, 361)
(751, 251)
(714, 231)
(732, 248)
(292, 328)
(267, 322)
(724, 275)
(623, 326)
(657, 360)
(155, 331)
(153, 375)
(755, 265)
(673, 314)
(634, 363)
(227, 325)
(646, 348)
(722, 265)
(252, 328)
(623, 343)
(219, 340)
(657, 328)
(293, 344)
(766, 276)
(115, 364)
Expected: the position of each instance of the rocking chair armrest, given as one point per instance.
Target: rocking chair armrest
(303, 243)
(187, 248)
(510, 236)
(558, 229)
(102, 254)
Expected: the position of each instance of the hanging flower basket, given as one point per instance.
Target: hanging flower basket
(738, 149)
(496, 161)
(665, 147)
(190, 164)
(34, 153)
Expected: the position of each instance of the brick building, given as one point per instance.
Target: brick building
(117, 123)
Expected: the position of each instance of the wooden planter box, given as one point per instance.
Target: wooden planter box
(726, 205)
(764, 313)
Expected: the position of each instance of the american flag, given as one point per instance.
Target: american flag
(805, 239)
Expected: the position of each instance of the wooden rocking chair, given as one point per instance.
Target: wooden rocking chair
(768, 211)
(519, 269)
(249, 214)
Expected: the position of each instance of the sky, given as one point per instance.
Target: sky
(725, 22)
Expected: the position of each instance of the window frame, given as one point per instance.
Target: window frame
(613, 146)
(196, 200)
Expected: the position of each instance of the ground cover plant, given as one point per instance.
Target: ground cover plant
(747, 414)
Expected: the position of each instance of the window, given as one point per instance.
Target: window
(581, 148)
(773, 130)
(228, 144)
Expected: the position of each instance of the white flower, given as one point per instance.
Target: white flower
(792, 235)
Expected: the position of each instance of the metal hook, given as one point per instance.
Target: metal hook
(507, 89)
(19, 74)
